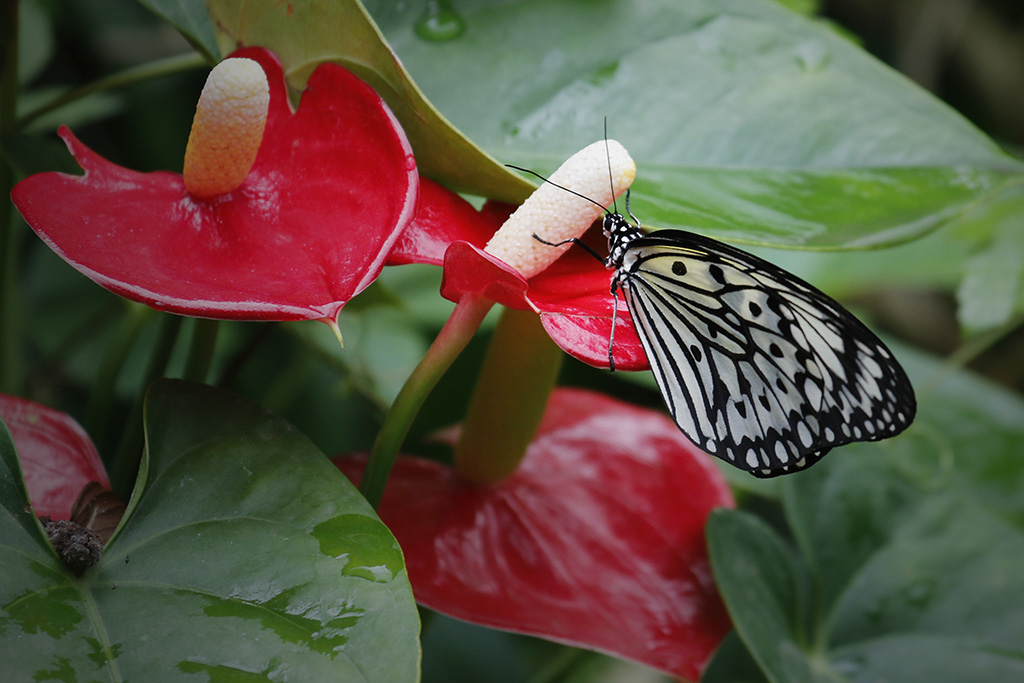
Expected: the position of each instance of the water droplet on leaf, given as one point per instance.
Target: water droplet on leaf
(440, 22)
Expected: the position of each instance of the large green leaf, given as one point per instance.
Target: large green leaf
(746, 120)
(244, 555)
(992, 291)
(760, 583)
(304, 33)
(913, 547)
(191, 20)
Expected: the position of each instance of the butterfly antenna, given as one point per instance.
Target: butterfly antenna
(608, 155)
(560, 187)
(635, 219)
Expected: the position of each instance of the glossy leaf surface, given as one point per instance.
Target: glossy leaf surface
(911, 544)
(597, 540)
(747, 122)
(191, 20)
(243, 553)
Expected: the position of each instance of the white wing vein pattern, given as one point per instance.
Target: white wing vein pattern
(757, 367)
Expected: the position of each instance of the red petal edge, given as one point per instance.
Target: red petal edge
(572, 296)
(333, 185)
(443, 217)
(57, 457)
(596, 541)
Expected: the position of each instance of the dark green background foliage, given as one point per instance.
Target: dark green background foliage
(765, 123)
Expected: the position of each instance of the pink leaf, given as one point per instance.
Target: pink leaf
(57, 457)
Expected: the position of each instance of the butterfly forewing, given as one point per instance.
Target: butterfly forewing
(756, 366)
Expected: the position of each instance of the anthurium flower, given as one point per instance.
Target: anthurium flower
(596, 540)
(571, 294)
(279, 216)
(57, 458)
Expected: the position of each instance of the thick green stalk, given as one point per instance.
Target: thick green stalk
(508, 402)
(454, 336)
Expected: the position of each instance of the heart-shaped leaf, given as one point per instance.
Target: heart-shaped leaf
(912, 545)
(243, 554)
(745, 120)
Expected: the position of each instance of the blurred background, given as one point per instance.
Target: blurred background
(970, 53)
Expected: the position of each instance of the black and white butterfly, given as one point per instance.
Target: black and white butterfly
(756, 366)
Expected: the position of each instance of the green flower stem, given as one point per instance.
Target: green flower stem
(135, 74)
(508, 402)
(125, 462)
(200, 352)
(454, 336)
(97, 413)
(9, 329)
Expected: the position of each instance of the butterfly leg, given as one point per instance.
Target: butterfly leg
(571, 240)
(615, 316)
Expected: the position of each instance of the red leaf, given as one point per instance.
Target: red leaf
(332, 187)
(572, 296)
(443, 217)
(597, 540)
(470, 270)
(57, 457)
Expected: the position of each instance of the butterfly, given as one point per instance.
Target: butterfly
(755, 365)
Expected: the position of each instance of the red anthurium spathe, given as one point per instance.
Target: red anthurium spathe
(57, 457)
(309, 227)
(596, 540)
(572, 296)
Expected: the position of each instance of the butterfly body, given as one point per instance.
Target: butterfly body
(756, 366)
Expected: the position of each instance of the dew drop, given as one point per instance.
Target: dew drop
(919, 593)
(440, 22)
(875, 611)
(812, 57)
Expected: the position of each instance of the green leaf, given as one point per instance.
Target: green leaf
(19, 531)
(746, 120)
(381, 350)
(732, 663)
(35, 40)
(805, 7)
(760, 583)
(912, 543)
(992, 290)
(191, 20)
(75, 114)
(941, 601)
(304, 33)
(244, 555)
(912, 547)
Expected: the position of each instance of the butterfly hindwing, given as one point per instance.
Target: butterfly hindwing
(756, 366)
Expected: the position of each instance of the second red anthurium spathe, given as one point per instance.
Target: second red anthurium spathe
(596, 540)
(290, 227)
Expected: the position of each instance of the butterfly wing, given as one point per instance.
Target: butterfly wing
(756, 366)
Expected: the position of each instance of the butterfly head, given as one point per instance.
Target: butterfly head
(620, 232)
